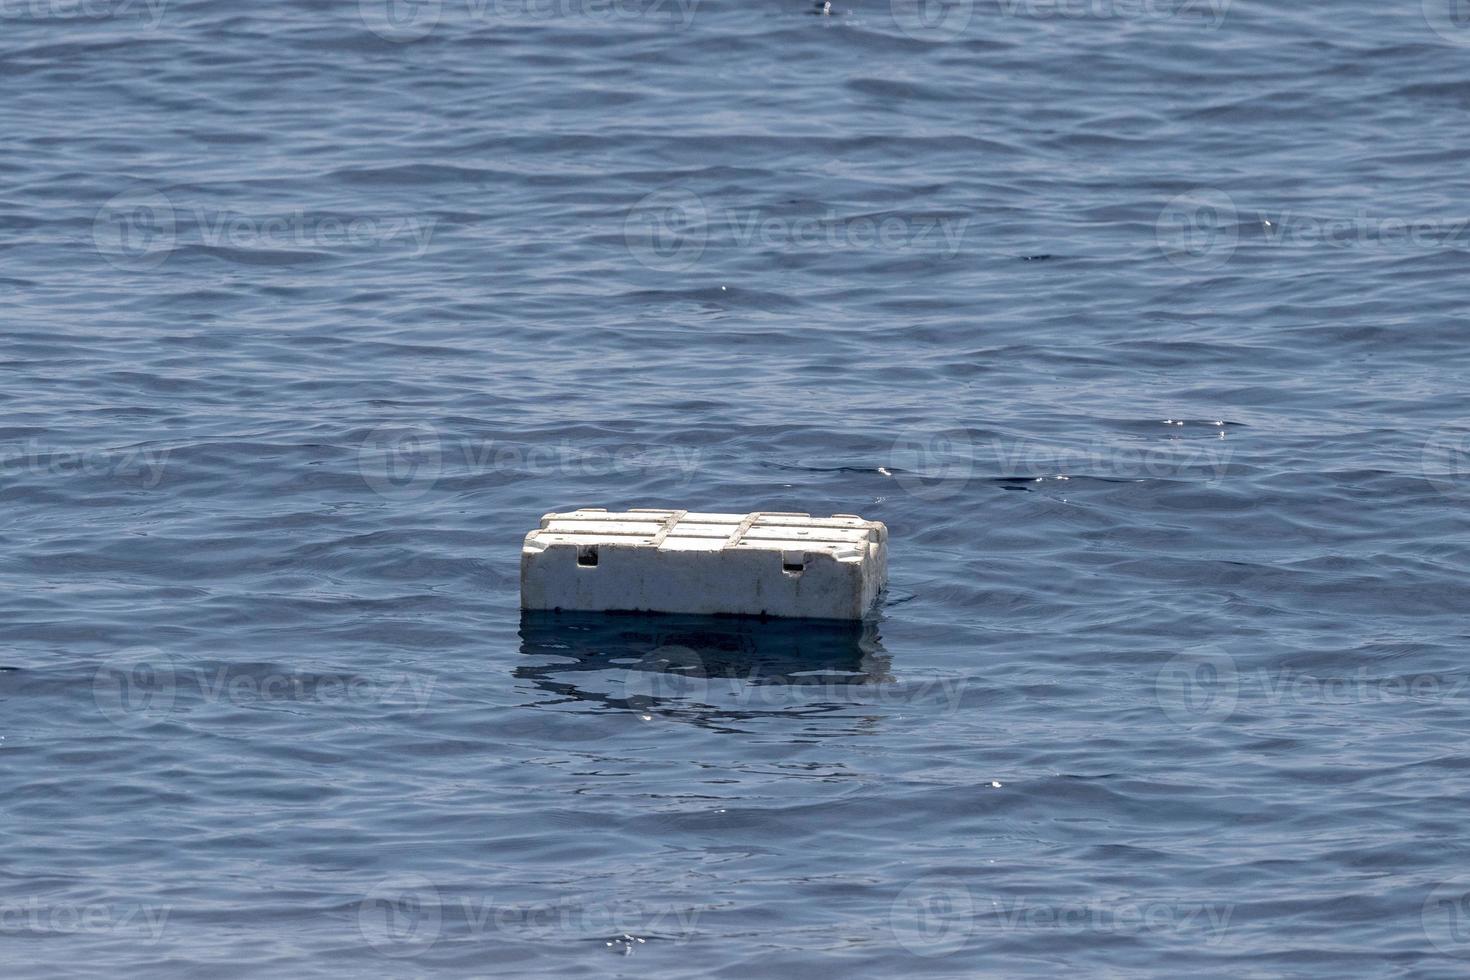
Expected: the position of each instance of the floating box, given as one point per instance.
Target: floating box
(675, 561)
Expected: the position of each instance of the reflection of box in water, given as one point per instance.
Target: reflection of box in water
(793, 652)
(761, 564)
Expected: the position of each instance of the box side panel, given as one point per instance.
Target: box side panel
(633, 579)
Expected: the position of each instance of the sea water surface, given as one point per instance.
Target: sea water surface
(1141, 325)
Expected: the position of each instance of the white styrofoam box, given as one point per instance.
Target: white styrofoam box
(675, 561)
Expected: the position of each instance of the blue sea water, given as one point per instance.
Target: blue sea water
(1141, 324)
